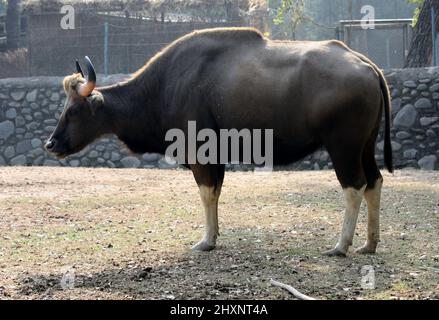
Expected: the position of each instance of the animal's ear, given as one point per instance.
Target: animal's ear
(95, 101)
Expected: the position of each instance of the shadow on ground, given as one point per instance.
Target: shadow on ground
(239, 269)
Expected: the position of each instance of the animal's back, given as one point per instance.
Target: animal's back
(281, 79)
(233, 76)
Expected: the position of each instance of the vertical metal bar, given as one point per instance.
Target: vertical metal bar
(106, 48)
(388, 53)
(405, 41)
(347, 35)
(433, 37)
(30, 44)
(129, 51)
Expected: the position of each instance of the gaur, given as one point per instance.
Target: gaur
(312, 94)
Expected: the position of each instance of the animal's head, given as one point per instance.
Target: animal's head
(81, 120)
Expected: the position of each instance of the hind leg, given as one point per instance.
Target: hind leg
(372, 196)
(349, 170)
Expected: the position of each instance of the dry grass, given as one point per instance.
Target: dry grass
(126, 234)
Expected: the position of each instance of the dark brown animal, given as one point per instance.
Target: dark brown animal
(312, 94)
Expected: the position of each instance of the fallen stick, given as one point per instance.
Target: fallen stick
(293, 291)
(430, 268)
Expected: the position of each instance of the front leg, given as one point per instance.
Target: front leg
(209, 179)
(209, 197)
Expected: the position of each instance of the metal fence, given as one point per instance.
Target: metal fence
(119, 44)
(387, 43)
(23, 27)
(115, 44)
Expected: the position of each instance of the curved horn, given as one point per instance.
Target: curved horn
(78, 68)
(90, 83)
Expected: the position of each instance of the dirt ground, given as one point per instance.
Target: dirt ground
(126, 234)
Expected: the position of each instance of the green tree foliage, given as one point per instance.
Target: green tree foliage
(421, 49)
(295, 9)
(318, 19)
(419, 4)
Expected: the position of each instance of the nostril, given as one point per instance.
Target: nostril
(50, 144)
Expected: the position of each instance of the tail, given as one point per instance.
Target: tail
(388, 153)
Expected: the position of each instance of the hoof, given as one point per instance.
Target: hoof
(203, 246)
(366, 249)
(334, 253)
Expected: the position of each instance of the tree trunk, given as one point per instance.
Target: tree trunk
(420, 53)
(13, 24)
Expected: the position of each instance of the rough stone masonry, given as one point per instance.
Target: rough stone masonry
(30, 109)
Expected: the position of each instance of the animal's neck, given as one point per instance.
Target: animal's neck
(129, 108)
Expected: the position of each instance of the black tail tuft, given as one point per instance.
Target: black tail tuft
(388, 153)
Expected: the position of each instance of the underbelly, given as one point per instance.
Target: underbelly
(287, 154)
(277, 155)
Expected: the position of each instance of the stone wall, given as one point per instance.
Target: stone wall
(415, 94)
(30, 109)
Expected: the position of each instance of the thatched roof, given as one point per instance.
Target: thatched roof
(45, 5)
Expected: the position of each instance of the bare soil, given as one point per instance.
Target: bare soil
(126, 234)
